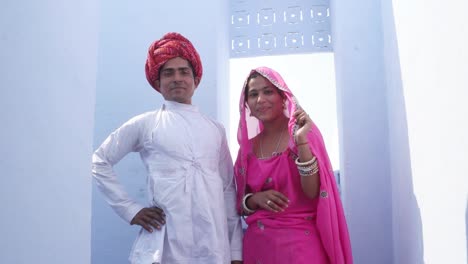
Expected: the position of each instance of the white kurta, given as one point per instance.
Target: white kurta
(189, 176)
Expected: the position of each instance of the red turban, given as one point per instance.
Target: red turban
(171, 45)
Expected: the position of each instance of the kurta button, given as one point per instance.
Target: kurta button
(307, 232)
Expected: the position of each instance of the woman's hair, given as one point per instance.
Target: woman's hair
(254, 75)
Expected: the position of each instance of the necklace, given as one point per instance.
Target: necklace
(274, 153)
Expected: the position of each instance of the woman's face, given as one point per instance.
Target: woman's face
(264, 99)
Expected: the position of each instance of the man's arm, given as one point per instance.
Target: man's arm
(233, 218)
(118, 144)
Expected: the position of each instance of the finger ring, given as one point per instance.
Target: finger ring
(268, 202)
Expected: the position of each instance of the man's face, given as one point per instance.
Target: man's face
(176, 81)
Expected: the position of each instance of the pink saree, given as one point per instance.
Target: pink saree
(308, 231)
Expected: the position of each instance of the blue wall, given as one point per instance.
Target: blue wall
(47, 85)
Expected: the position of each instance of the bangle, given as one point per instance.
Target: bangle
(305, 164)
(303, 143)
(308, 173)
(307, 168)
(244, 204)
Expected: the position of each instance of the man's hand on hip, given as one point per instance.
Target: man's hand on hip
(149, 217)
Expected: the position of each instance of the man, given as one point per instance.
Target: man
(191, 217)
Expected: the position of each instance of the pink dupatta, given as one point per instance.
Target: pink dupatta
(331, 222)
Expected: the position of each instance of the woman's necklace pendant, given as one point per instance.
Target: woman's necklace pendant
(274, 154)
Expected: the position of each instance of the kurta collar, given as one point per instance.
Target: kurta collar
(175, 106)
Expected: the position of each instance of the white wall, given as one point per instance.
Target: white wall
(362, 120)
(402, 78)
(433, 86)
(47, 84)
(407, 222)
(126, 32)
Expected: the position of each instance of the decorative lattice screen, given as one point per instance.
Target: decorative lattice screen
(273, 27)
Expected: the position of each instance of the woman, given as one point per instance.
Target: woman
(285, 181)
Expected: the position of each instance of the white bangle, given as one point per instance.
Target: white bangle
(308, 168)
(244, 204)
(305, 164)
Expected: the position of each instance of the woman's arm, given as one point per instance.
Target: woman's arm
(307, 164)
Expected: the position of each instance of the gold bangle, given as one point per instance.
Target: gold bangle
(303, 143)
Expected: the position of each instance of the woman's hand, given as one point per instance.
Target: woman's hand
(270, 200)
(305, 124)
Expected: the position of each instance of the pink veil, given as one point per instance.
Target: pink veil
(331, 222)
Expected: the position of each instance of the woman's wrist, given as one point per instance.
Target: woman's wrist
(251, 203)
(298, 144)
(307, 168)
(247, 209)
(301, 140)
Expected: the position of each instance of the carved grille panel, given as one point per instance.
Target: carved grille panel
(269, 27)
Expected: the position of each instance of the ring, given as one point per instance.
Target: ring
(268, 202)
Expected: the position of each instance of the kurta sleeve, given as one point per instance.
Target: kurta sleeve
(119, 143)
(233, 218)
